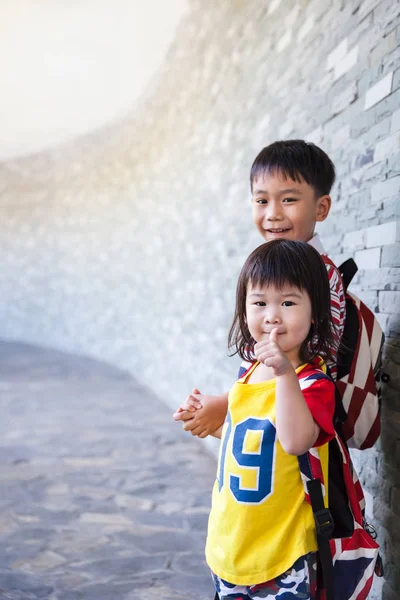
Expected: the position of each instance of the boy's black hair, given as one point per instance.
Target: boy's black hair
(298, 160)
(279, 263)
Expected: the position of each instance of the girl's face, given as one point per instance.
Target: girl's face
(287, 309)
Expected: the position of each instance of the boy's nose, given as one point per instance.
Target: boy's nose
(273, 212)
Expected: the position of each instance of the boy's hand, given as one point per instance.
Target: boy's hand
(271, 354)
(206, 420)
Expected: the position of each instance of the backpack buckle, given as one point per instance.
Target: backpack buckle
(324, 522)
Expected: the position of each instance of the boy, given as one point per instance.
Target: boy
(290, 183)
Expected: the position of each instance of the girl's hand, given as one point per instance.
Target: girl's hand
(186, 410)
(206, 421)
(211, 416)
(271, 355)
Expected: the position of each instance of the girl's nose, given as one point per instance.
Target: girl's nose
(271, 316)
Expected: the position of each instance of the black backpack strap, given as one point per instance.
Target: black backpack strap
(216, 597)
(340, 415)
(324, 524)
(347, 270)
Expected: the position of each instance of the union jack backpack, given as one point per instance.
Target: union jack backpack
(348, 553)
(359, 367)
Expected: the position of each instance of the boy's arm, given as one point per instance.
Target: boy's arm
(205, 420)
(338, 309)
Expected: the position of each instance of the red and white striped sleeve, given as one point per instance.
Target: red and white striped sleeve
(338, 307)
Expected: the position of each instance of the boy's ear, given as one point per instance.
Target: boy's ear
(323, 207)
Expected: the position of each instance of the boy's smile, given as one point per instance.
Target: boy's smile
(283, 208)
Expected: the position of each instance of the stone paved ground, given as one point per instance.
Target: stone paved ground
(102, 496)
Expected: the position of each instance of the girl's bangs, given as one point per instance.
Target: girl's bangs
(278, 273)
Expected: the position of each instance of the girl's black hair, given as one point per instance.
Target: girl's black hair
(298, 160)
(279, 263)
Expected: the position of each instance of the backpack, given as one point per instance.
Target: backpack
(348, 553)
(359, 367)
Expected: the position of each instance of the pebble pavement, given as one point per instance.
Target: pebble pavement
(102, 495)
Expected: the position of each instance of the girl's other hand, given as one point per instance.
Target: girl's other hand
(186, 410)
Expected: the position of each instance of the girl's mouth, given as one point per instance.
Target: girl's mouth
(268, 332)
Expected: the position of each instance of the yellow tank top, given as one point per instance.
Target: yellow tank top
(260, 522)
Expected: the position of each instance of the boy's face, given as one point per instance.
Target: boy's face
(283, 208)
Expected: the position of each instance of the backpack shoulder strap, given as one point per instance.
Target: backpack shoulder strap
(312, 477)
(313, 482)
(324, 526)
(347, 270)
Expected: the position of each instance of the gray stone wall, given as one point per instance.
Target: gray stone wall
(126, 245)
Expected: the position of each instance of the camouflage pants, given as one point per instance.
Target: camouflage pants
(297, 583)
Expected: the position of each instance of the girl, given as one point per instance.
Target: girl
(261, 535)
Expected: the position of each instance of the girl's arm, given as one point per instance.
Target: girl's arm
(217, 433)
(296, 429)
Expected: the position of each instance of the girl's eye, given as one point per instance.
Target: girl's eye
(290, 200)
(288, 303)
(260, 303)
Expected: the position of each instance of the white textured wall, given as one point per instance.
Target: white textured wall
(70, 66)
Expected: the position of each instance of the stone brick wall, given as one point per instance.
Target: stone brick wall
(126, 245)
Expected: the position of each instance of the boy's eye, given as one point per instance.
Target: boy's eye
(289, 200)
(287, 303)
(261, 201)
